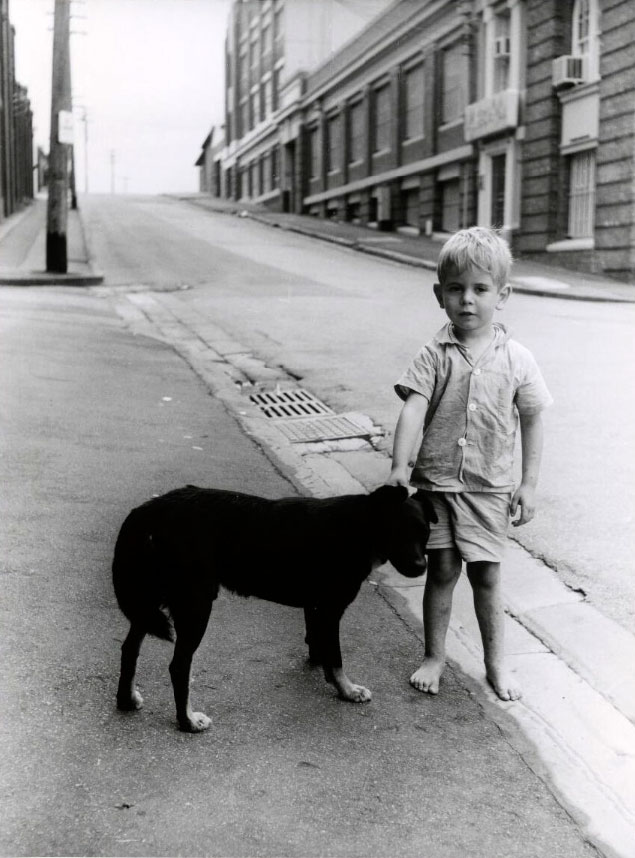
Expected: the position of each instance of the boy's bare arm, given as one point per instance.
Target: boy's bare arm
(406, 434)
(531, 435)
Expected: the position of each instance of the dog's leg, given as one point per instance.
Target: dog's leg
(329, 633)
(189, 634)
(312, 638)
(128, 697)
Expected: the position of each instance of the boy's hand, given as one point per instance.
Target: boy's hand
(523, 498)
(398, 478)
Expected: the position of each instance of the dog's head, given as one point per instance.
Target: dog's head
(403, 527)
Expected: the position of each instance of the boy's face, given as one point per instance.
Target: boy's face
(470, 298)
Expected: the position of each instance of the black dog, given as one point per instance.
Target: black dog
(174, 552)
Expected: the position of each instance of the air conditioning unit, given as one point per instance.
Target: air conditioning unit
(568, 71)
(502, 46)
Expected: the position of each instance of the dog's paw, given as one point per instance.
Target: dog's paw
(196, 723)
(356, 694)
(129, 702)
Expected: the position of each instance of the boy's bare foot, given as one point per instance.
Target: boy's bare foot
(428, 676)
(503, 683)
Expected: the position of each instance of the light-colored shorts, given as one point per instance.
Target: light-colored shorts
(475, 523)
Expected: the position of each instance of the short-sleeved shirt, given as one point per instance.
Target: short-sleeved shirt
(473, 407)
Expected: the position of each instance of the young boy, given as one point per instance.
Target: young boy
(468, 388)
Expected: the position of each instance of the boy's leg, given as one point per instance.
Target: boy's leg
(484, 577)
(444, 568)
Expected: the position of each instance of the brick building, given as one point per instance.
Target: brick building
(16, 126)
(437, 114)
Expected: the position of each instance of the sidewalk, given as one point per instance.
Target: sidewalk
(528, 276)
(23, 250)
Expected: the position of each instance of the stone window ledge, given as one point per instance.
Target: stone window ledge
(570, 244)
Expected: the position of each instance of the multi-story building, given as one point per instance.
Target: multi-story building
(438, 114)
(269, 42)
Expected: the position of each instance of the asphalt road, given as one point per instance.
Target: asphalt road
(347, 325)
(96, 419)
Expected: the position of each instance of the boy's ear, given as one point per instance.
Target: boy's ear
(438, 291)
(503, 295)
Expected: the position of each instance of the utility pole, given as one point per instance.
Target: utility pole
(60, 140)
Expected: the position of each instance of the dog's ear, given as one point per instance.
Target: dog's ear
(426, 505)
(389, 495)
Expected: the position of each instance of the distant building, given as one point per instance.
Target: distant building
(16, 126)
(209, 163)
(438, 114)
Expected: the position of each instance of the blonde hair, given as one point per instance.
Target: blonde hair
(478, 246)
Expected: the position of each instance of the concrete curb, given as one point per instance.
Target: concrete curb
(21, 278)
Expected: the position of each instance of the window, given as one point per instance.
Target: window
(278, 24)
(585, 36)
(454, 77)
(265, 174)
(243, 72)
(499, 168)
(450, 205)
(413, 95)
(278, 35)
(277, 74)
(582, 194)
(267, 98)
(244, 117)
(251, 186)
(275, 169)
(333, 147)
(266, 40)
(254, 60)
(381, 119)
(502, 45)
(356, 132)
(313, 154)
(254, 112)
(410, 207)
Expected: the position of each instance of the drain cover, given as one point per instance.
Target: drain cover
(302, 417)
(330, 428)
(283, 404)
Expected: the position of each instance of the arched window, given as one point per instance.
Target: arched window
(585, 37)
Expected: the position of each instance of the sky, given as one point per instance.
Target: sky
(148, 74)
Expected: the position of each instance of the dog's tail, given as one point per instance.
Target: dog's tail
(137, 578)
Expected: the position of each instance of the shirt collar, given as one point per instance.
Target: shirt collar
(446, 335)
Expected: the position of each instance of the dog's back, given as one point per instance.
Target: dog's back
(274, 549)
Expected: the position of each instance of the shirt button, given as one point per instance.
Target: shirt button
(472, 406)
(461, 442)
(477, 371)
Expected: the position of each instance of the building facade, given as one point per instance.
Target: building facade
(16, 126)
(439, 114)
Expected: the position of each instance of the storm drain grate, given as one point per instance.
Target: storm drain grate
(333, 428)
(302, 417)
(284, 404)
